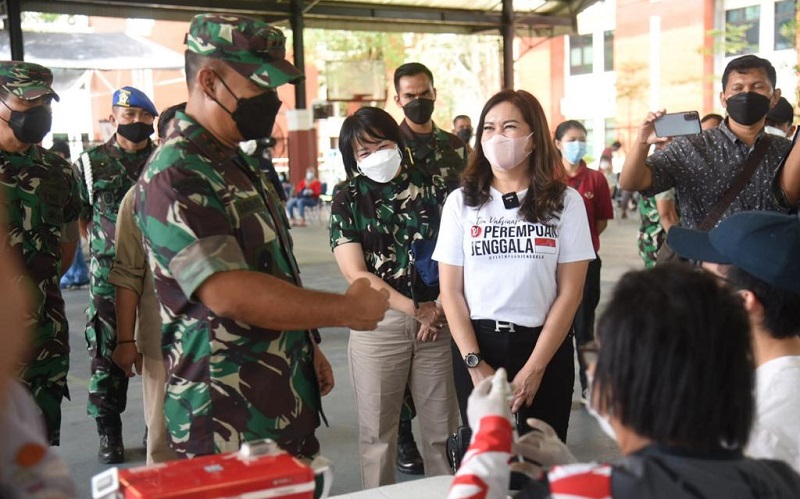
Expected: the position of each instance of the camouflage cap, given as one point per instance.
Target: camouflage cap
(253, 48)
(26, 80)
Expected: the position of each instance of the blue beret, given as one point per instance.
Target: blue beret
(132, 97)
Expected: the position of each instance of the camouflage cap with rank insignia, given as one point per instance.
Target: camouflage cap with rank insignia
(253, 48)
(26, 80)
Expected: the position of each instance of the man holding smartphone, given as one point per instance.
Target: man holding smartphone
(703, 167)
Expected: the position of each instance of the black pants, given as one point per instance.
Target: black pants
(584, 317)
(552, 402)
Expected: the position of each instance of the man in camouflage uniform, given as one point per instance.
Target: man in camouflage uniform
(241, 364)
(434, 150)
(438, 153)
(107, 172)
(41, 199)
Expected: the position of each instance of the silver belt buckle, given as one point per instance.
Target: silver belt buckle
(498, 325)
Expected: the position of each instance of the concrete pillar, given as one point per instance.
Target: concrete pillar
(302, 143)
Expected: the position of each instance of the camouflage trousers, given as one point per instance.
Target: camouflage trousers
(46, 379)
(408, 411)
(108, 385)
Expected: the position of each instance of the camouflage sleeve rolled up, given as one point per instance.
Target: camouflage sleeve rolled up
(187, 227)
(342, 224)
(68, 182)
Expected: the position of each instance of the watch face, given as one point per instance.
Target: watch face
(472, 360)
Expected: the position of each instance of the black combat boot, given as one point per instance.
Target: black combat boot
(109, 428)
(408, 458)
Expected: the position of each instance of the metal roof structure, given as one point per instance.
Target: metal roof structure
(530, 17)
(509, 18)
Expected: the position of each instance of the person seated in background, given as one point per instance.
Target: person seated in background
(670, 338)
(306, 195)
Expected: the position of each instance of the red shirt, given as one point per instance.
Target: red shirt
(593, 188)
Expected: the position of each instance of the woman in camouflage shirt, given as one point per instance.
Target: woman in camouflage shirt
(383, 207)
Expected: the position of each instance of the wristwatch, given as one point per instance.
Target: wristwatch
(472, 359)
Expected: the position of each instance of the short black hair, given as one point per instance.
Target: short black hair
(166, 116)
(781, 114)
(61, 147)
(194, 62)
(410, 69)
(675, 362)
(712, 116)
(745, 63)
(461, 117)
(781, 307)
(370, 125)
(568, 125)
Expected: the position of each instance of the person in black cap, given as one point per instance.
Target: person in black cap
(108, 171)
(780, 119)
(757, 254)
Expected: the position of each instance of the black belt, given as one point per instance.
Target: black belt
(503, 327)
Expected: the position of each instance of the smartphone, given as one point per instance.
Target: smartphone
(674, 124)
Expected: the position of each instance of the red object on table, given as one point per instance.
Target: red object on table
(263, 475)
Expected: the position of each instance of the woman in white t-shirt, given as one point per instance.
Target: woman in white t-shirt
(513, 249)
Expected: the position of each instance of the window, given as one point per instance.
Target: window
(785, 25)
(580, 54)
(742, 30)
(608, 51)
(587, 124)
(611, 131)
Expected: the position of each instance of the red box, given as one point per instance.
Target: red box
(270, 475)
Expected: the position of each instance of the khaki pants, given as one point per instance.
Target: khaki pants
(381, 363)
(154, 379)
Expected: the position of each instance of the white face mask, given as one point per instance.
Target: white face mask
(506, 153)
(381, 166)
(603, 421)
(774, 131)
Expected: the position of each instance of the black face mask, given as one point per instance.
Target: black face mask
(465, 134)
(135, 132)
(30, 126)
(254, 116)
(747, 108)
(419, 110)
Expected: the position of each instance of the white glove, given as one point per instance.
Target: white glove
(489, 398)
(542, 445)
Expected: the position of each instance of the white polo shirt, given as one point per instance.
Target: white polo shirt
(776, 429)
(509, 263)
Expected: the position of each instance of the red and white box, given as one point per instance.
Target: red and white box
(259, 470)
